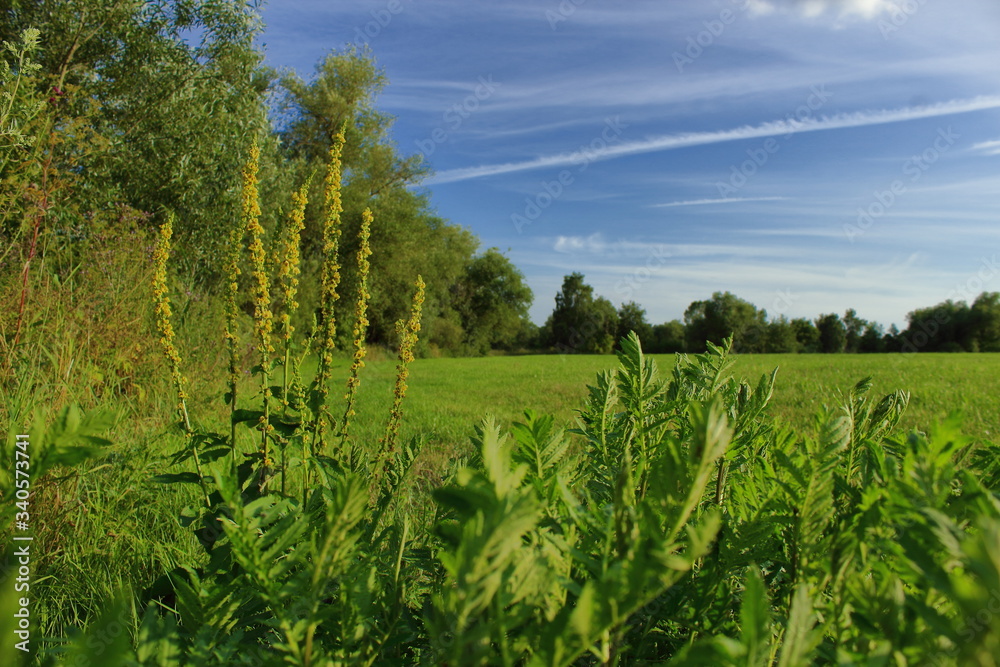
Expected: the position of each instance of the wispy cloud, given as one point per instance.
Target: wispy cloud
(988, 147)
(769, 129)
(705, 202)
(865, 9)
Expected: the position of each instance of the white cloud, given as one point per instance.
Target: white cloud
(705, 202)
(988, 147)
(782, 127)
(864, 9)
(570, 244)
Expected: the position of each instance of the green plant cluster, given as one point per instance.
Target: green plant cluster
(680, 525)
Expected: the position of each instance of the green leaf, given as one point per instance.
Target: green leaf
(801, 637)
(177, 478)
(755, 618)
(244, 415)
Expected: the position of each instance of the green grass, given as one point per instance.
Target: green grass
(447, 397)
(122, 527)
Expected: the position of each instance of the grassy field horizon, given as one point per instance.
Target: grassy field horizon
(449, 396)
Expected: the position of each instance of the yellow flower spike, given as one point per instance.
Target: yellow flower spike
(161, 255)
(260, 294)
(260, 289)
(328, 289)
(289, 268)
(360, 321)
(407, 342)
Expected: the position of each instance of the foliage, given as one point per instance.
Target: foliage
(145, 115)
(408, 236)
(19, 105)
(681, 525)
(492, 300)
(667, 337)
(632, 317)
(832, 333)
(581, 323)
(724, 315)
(948, 327)
(955, 326)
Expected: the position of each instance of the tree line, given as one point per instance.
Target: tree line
(584, 323)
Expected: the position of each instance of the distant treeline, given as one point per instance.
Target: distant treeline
(583, 323)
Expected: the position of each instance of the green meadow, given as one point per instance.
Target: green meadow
(119, 530)
(448, 396)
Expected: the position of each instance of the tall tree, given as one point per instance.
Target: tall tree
(806, 335)
(580, 322)
(780, 337)
(668, 337)
(154, 105)
(985, 318)
(723, 315)
(632, 317)
(946, 327)
(407, 237)
(832, 333)
(492, 300)
(872, 339)
(854, 327)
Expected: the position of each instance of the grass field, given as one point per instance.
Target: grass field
(118, 527)
(448, 396)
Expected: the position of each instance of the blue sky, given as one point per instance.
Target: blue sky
(807, 155)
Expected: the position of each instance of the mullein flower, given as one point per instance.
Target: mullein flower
(232, 271)
(289, 266)
(328, 289)
(260, 288)
(360, 320)
(407, 341)
(288, 276)
(260, 294)
(161, 255)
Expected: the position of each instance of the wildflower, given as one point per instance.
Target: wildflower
(161, 254)
(360, 320)
(328, 290)
(260, 289)
(407, 341)
(288, 268)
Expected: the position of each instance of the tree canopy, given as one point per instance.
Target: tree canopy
(152, 108)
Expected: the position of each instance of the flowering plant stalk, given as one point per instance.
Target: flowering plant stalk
(328, 297)
(260, 293)
(161, 294)
(407, 342)
(360, 324)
